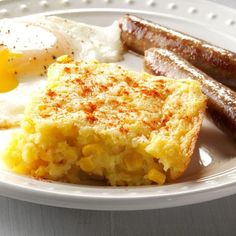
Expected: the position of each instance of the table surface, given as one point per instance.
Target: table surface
(217, 217)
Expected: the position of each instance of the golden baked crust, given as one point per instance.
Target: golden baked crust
(99, 121)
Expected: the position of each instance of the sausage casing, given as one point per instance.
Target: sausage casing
(221, 99)
(139, 35)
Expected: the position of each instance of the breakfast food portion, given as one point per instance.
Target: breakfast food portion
(99, 121)
(26, 53)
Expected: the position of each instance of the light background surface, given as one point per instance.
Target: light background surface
(217, 217)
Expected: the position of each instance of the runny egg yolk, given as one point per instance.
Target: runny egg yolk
(8, 79)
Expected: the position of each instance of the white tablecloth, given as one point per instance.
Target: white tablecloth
(212, 218)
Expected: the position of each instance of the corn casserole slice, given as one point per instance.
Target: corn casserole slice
(100, 121)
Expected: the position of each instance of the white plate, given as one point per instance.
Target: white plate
(212, 172)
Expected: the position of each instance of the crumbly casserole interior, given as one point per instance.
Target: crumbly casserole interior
(99, 121)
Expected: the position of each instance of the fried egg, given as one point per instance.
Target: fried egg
(41, 39)
(38, 41)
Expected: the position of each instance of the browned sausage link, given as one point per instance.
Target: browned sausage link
(139, 35)
(221, 100)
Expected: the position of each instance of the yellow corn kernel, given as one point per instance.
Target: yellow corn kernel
(41, 171)
(56, 171)
(133, 162)
(86, 164)
(21, 169)
(156, 176)
(64, 59)
(91, 149)
(28, 125)
(29, 153)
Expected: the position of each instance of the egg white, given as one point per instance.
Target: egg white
(13, 102)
